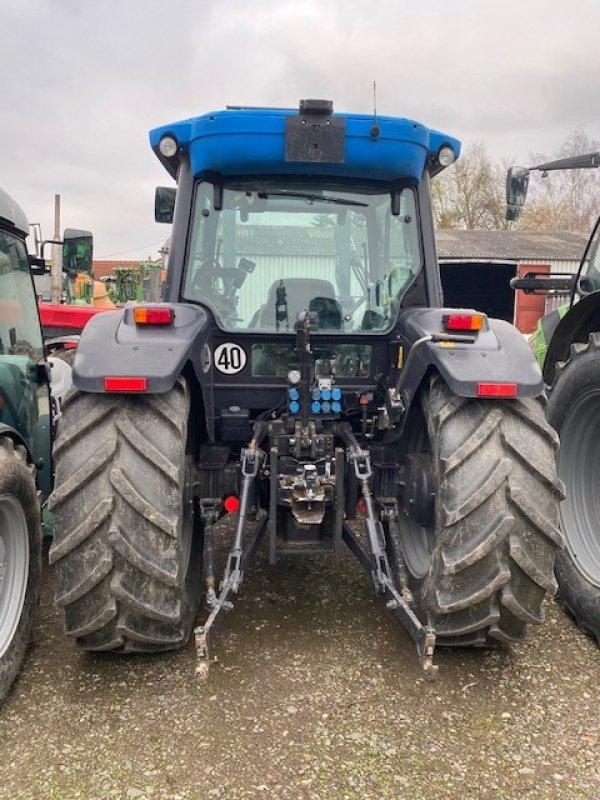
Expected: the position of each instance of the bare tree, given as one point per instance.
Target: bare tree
(566, 200)
(470, 193)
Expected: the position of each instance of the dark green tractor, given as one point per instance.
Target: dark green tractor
(25, 467)
(567, 345)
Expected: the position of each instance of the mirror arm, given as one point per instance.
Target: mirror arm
(541, 283)
(395, 200)
(37, 265)
(48, 241)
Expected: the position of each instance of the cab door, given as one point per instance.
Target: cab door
(24, 397)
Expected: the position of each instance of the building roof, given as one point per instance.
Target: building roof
(284, 240)
(511, 245)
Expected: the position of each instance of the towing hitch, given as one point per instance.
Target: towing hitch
(374, 560)
(238, 557)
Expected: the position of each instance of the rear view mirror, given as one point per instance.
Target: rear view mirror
(77, 251)
(37, 265)
(517, 183)
(164, 203)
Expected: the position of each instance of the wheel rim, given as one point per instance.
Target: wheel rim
(14, 568)
(579, 468)
(417, 539)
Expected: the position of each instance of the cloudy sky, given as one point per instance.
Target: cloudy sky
(82, 82)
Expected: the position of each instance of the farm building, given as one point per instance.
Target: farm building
(477, 266)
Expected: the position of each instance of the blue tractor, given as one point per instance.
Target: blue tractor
(303, 376)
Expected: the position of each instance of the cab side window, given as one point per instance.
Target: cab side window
(20, 338)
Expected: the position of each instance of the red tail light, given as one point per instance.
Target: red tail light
(153, 315)
(496, 390)
(123, 384)
(361, 505)
(463, 322)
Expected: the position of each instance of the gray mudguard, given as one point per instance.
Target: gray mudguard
(112, 345)
(499, 354)
(576, 326)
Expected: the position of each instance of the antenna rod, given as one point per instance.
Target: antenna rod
(375, 101)
(375, 129)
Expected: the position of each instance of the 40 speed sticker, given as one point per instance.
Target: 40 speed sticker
(229, 358)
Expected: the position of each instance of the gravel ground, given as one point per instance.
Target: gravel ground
(315, 692)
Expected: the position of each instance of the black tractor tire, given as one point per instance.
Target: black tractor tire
(494, 534)
(127, 560)
(574, 412)
(20, 557)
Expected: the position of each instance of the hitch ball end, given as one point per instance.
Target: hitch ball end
(430, 671)
(201, 671)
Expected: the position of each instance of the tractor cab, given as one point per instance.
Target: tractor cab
(277, 247)
(311, 211)
(23, 390)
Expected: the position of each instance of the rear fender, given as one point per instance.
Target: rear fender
(112, 345)
(65, 317)
(499, 354)
(576, 326)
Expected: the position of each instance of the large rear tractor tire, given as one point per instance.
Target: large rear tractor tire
(483, 562)
(127, 561)
(574, 411)
(20, 557)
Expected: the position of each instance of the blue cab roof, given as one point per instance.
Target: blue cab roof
(250, 141)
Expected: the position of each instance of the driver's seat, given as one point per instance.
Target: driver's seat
(312, 294)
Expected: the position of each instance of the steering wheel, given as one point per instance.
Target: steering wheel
(211, 274)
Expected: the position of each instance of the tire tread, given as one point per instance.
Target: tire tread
(123, 548)
(492, 562)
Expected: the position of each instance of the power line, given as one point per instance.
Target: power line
(125, 252)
